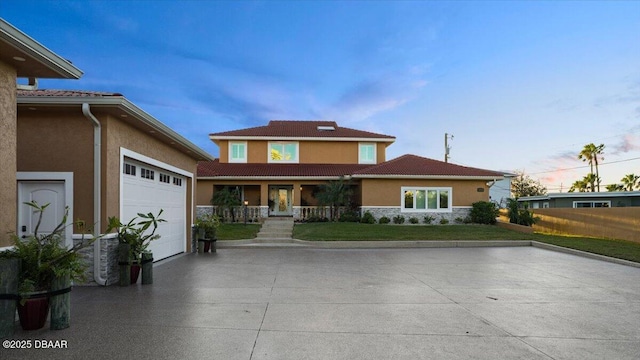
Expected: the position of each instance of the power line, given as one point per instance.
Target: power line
(584, 166)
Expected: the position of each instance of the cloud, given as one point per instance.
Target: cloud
(372, 96)
(628, 143)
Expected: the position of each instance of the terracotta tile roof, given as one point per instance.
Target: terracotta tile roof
(65, 93)
(412, 165)
(302, 129)
(215, 169)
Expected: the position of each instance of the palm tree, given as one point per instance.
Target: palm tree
(585, 184)
(334, 193)
(590, 154)
(630, 181)
(615, 187)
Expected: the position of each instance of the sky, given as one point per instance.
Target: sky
(521, 85)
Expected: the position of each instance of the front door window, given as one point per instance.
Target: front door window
(281, 198)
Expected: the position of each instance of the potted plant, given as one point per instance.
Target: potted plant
(134, 239)
(47, 268)
(207, 228)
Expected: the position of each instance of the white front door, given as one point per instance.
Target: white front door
(42, 192)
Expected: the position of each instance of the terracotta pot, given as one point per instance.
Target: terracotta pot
(33, 314)
(135, 272)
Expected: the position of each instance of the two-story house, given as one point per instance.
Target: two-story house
(277, 169)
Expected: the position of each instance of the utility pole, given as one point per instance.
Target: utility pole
(446, 146)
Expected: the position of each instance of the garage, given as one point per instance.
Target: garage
(148, 188)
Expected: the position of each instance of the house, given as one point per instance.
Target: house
(583, 200)
(102, 156)
(20, 57)
(276, 169)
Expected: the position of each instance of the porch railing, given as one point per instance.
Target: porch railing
(253, 214)
(307, 212)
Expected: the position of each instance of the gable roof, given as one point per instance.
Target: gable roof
(30, 58)
(215, 169)
(307, 130)
(114, 104)
(413, 166)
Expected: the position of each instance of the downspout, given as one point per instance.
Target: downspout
(97, 186)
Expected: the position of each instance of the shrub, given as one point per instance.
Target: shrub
(367, 218)
(444, 221)
(384, 220)
(484, 212)
(414, 220)
(398, 219)
(428, 219)
(349, 216)
(520, 216)
(315, 218)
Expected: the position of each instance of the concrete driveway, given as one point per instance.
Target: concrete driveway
(298, 303)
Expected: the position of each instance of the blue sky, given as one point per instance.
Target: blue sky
(522, 85)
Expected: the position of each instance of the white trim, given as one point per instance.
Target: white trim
(37, 52)
(299, 138)
(608, 202)
(378, 207)
(425, 177)
(375, 153)
(230, 157)
(66, 177)
(295, 160)
(438, 209)
(159, 164)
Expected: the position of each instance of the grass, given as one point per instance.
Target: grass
(237, 231)
(362, 232)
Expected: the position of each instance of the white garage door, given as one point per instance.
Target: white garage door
(148, 189)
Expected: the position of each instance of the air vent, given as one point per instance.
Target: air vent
(326, 128)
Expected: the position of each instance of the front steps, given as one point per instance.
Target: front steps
(276, 229)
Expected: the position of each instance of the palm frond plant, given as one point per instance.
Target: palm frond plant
(46, 262)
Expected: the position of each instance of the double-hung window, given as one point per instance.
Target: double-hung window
(283, 152)
(426, 199)
(366, 153)
(238, 151)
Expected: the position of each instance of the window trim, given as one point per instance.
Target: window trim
(360, 153)
(295, 160)
(241, 159)
(592, 202)
(438, 209)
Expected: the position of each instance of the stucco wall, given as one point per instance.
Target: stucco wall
(59, 141)
(387, 192)
(310, 152)
(8, 130)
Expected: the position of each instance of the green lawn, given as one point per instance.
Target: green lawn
(361, 232)
(237, 231)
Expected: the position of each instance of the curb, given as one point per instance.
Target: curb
(408, 244)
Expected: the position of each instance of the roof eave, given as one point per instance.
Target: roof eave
(427, 177)
(300, 138)
(245, 178)
(38, 52)
(126, 106)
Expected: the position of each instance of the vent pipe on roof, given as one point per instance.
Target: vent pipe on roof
(97, 134)
(33, 85)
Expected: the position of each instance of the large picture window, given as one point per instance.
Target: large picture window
(426, 199)
(283, 152)
(238, 152)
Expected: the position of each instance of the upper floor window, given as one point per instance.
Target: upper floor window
(238, 152)
(366, 153)
(426, 199)
(283, 152)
